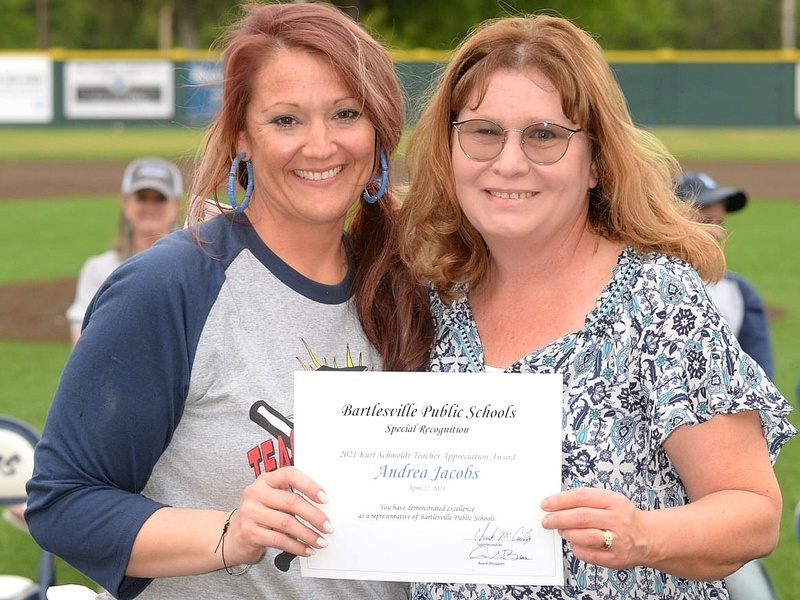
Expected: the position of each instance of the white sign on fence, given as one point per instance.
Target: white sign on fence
(26, 89)
(98, 89)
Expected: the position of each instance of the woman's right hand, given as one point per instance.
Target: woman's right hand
(275, 513)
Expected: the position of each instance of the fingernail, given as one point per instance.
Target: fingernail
(322, 542)
(310, 551)
(322, 497)
(327, 527)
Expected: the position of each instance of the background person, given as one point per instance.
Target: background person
(548, 228)
(180, 475)
(741, 305)
(737, 298)
(150, 198)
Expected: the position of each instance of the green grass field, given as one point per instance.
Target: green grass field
(762, 247)
(118, 143)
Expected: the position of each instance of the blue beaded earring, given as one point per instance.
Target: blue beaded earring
(232, 184)
(382, 182)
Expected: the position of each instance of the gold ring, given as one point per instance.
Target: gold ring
(608, 540)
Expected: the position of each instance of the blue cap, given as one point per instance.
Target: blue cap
(703, 191)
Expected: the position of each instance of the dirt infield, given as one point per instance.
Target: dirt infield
(35, 311)
(74, 178)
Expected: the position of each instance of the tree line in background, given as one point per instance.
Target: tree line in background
(400, 24)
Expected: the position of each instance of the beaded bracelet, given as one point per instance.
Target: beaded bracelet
(221, 547)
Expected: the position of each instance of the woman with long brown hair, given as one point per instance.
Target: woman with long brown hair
(165, 467)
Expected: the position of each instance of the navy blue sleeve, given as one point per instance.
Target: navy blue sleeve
(754, 335)
(118, 402)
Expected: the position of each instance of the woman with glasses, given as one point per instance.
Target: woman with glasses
(548, 230)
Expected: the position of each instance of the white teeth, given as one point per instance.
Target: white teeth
(317, 176)
(512, 195)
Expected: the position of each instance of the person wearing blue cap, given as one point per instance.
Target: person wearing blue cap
(737, 298)
(743, 309)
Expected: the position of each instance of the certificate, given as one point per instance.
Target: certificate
(432, 476)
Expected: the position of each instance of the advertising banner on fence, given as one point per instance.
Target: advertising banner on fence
(26, 89)
(134, 89)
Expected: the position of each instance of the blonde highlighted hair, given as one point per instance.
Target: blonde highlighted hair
(634, 200)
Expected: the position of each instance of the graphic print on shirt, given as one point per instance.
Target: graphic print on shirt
(278, 451)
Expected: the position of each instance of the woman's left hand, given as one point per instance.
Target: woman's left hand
(732, 516)
(604, 528)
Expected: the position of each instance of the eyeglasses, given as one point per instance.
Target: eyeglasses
(543, 143)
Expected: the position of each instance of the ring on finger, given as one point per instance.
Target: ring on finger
(608, 540)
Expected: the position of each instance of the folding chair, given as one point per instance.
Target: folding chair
(17, 441)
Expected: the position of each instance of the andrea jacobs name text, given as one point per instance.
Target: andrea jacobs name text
(436, 473)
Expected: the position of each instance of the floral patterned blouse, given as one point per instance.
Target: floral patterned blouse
(654, 355)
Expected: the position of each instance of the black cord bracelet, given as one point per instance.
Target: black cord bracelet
(221, 547)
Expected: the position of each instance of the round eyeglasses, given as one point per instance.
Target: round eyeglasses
(543, 143)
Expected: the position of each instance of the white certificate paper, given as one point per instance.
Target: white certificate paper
(433, 476)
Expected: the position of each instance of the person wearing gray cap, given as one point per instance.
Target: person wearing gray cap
(150, 196)
(743, 309)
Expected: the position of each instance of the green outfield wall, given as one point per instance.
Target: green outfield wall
(663, 88)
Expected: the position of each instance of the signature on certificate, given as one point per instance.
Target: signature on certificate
(495, 543)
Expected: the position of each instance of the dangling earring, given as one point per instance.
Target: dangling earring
(232, 184)
(382, 182)
(128, 228)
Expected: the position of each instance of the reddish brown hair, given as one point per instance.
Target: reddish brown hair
(393, 311)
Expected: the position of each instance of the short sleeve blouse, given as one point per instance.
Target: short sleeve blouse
(654, 355)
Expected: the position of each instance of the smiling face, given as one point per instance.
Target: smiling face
(312, 149)
(509, 197)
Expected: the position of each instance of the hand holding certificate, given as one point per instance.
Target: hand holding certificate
(433, 477)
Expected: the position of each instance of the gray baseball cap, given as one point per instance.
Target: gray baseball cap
(156, 174)
(702, 190)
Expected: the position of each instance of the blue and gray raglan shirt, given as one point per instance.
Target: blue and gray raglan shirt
(180, 393)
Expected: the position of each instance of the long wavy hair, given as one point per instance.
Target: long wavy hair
(634, 200)
(393, 310)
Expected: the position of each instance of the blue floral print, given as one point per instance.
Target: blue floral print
(654, 354)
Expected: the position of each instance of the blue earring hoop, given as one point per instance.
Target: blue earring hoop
(382, 182)
(232, 184)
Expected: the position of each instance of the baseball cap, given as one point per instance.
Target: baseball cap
(702, 190)
(156, 174)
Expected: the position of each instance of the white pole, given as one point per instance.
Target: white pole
(788, 24)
